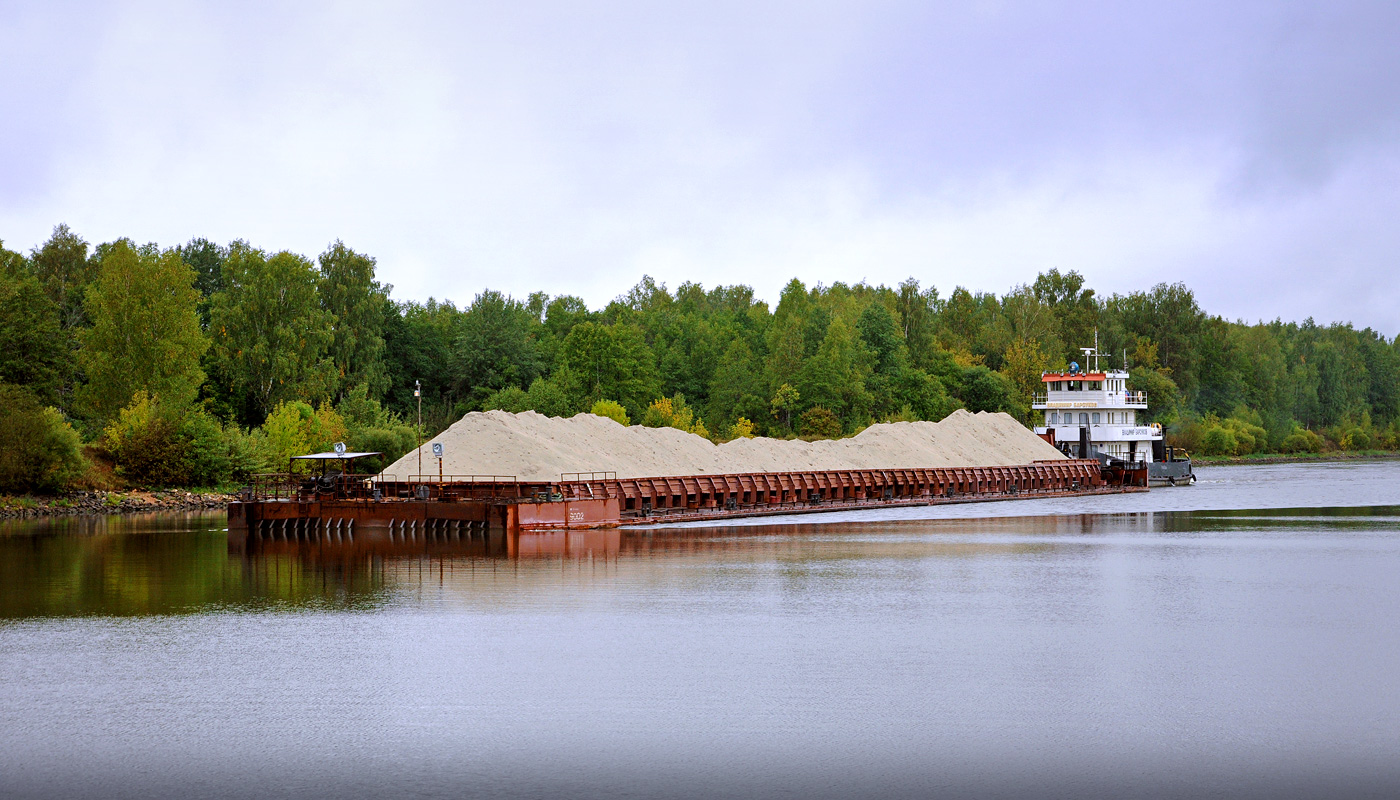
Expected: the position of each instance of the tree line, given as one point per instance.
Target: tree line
(203, 363)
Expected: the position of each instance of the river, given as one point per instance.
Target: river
(1237, 638)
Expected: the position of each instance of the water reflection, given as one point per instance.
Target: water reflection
(183, 564)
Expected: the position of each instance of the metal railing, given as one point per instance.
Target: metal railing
(580, 477)
(1115, 400)
(460, 487)
(306, 487)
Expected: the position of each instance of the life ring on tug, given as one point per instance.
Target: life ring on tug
(1157, 426)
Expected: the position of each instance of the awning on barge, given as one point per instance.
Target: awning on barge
(333, 456)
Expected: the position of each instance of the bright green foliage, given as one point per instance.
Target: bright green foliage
(784, 403)
(271, 336)
(553, 397)
(145, 333)
(39, 450)
(1022, 365)
(295, 428)
(611, 409)
(1237, 435)
(1218, 441)
(819, 422)
(358, 305)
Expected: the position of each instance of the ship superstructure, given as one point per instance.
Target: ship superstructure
(1091, 413)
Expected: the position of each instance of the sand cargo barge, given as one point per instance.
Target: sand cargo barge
(347, 506)
(340, 505)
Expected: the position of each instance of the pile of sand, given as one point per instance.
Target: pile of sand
(534, 447)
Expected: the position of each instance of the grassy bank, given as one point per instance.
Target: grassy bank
(1295, 458)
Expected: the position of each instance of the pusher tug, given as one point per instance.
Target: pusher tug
(1093, 414)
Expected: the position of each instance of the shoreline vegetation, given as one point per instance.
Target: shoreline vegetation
(129, 365)
(101, 504)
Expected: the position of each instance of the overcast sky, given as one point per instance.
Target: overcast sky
(1251, 150)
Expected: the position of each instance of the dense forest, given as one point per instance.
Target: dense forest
(200, 364)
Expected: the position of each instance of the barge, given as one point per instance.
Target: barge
(342, 506)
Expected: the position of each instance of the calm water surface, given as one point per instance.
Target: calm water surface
(1237, 638)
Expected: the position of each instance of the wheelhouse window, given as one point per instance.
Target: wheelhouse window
(1054, 418)
(1083, 419)
(1096, 417)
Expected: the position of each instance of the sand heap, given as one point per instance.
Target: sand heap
(534, 447)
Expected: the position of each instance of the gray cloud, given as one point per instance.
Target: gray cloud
(1245, 148)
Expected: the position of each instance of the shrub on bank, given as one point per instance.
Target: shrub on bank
(1301, 440)
(611, 409)
(818, 422)
(674, 412)
(153, 444)
(39, 450)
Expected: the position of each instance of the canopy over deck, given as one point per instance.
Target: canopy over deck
(333, 456)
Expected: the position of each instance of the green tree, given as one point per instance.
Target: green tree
(819, 422)
(270, 335)
(785, 402)
(207, 261)
(1075, 309)
(145, 332)
(834, 377)
(39, 450)
(61, 264)
(495, 346)
(33, 349)
(918, 311)
(295, 428)
(553, 397)
(418, 342)
(358, 304)
(985, 390)
(737, 388)
(1023, 365)
(611, 361)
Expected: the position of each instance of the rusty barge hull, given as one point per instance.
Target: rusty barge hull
(465, 508)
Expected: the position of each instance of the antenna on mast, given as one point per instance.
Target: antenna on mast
(1092, 354)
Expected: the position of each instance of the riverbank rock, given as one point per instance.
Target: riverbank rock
(101, 503)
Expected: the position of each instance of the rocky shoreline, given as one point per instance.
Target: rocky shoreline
(105, 503)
